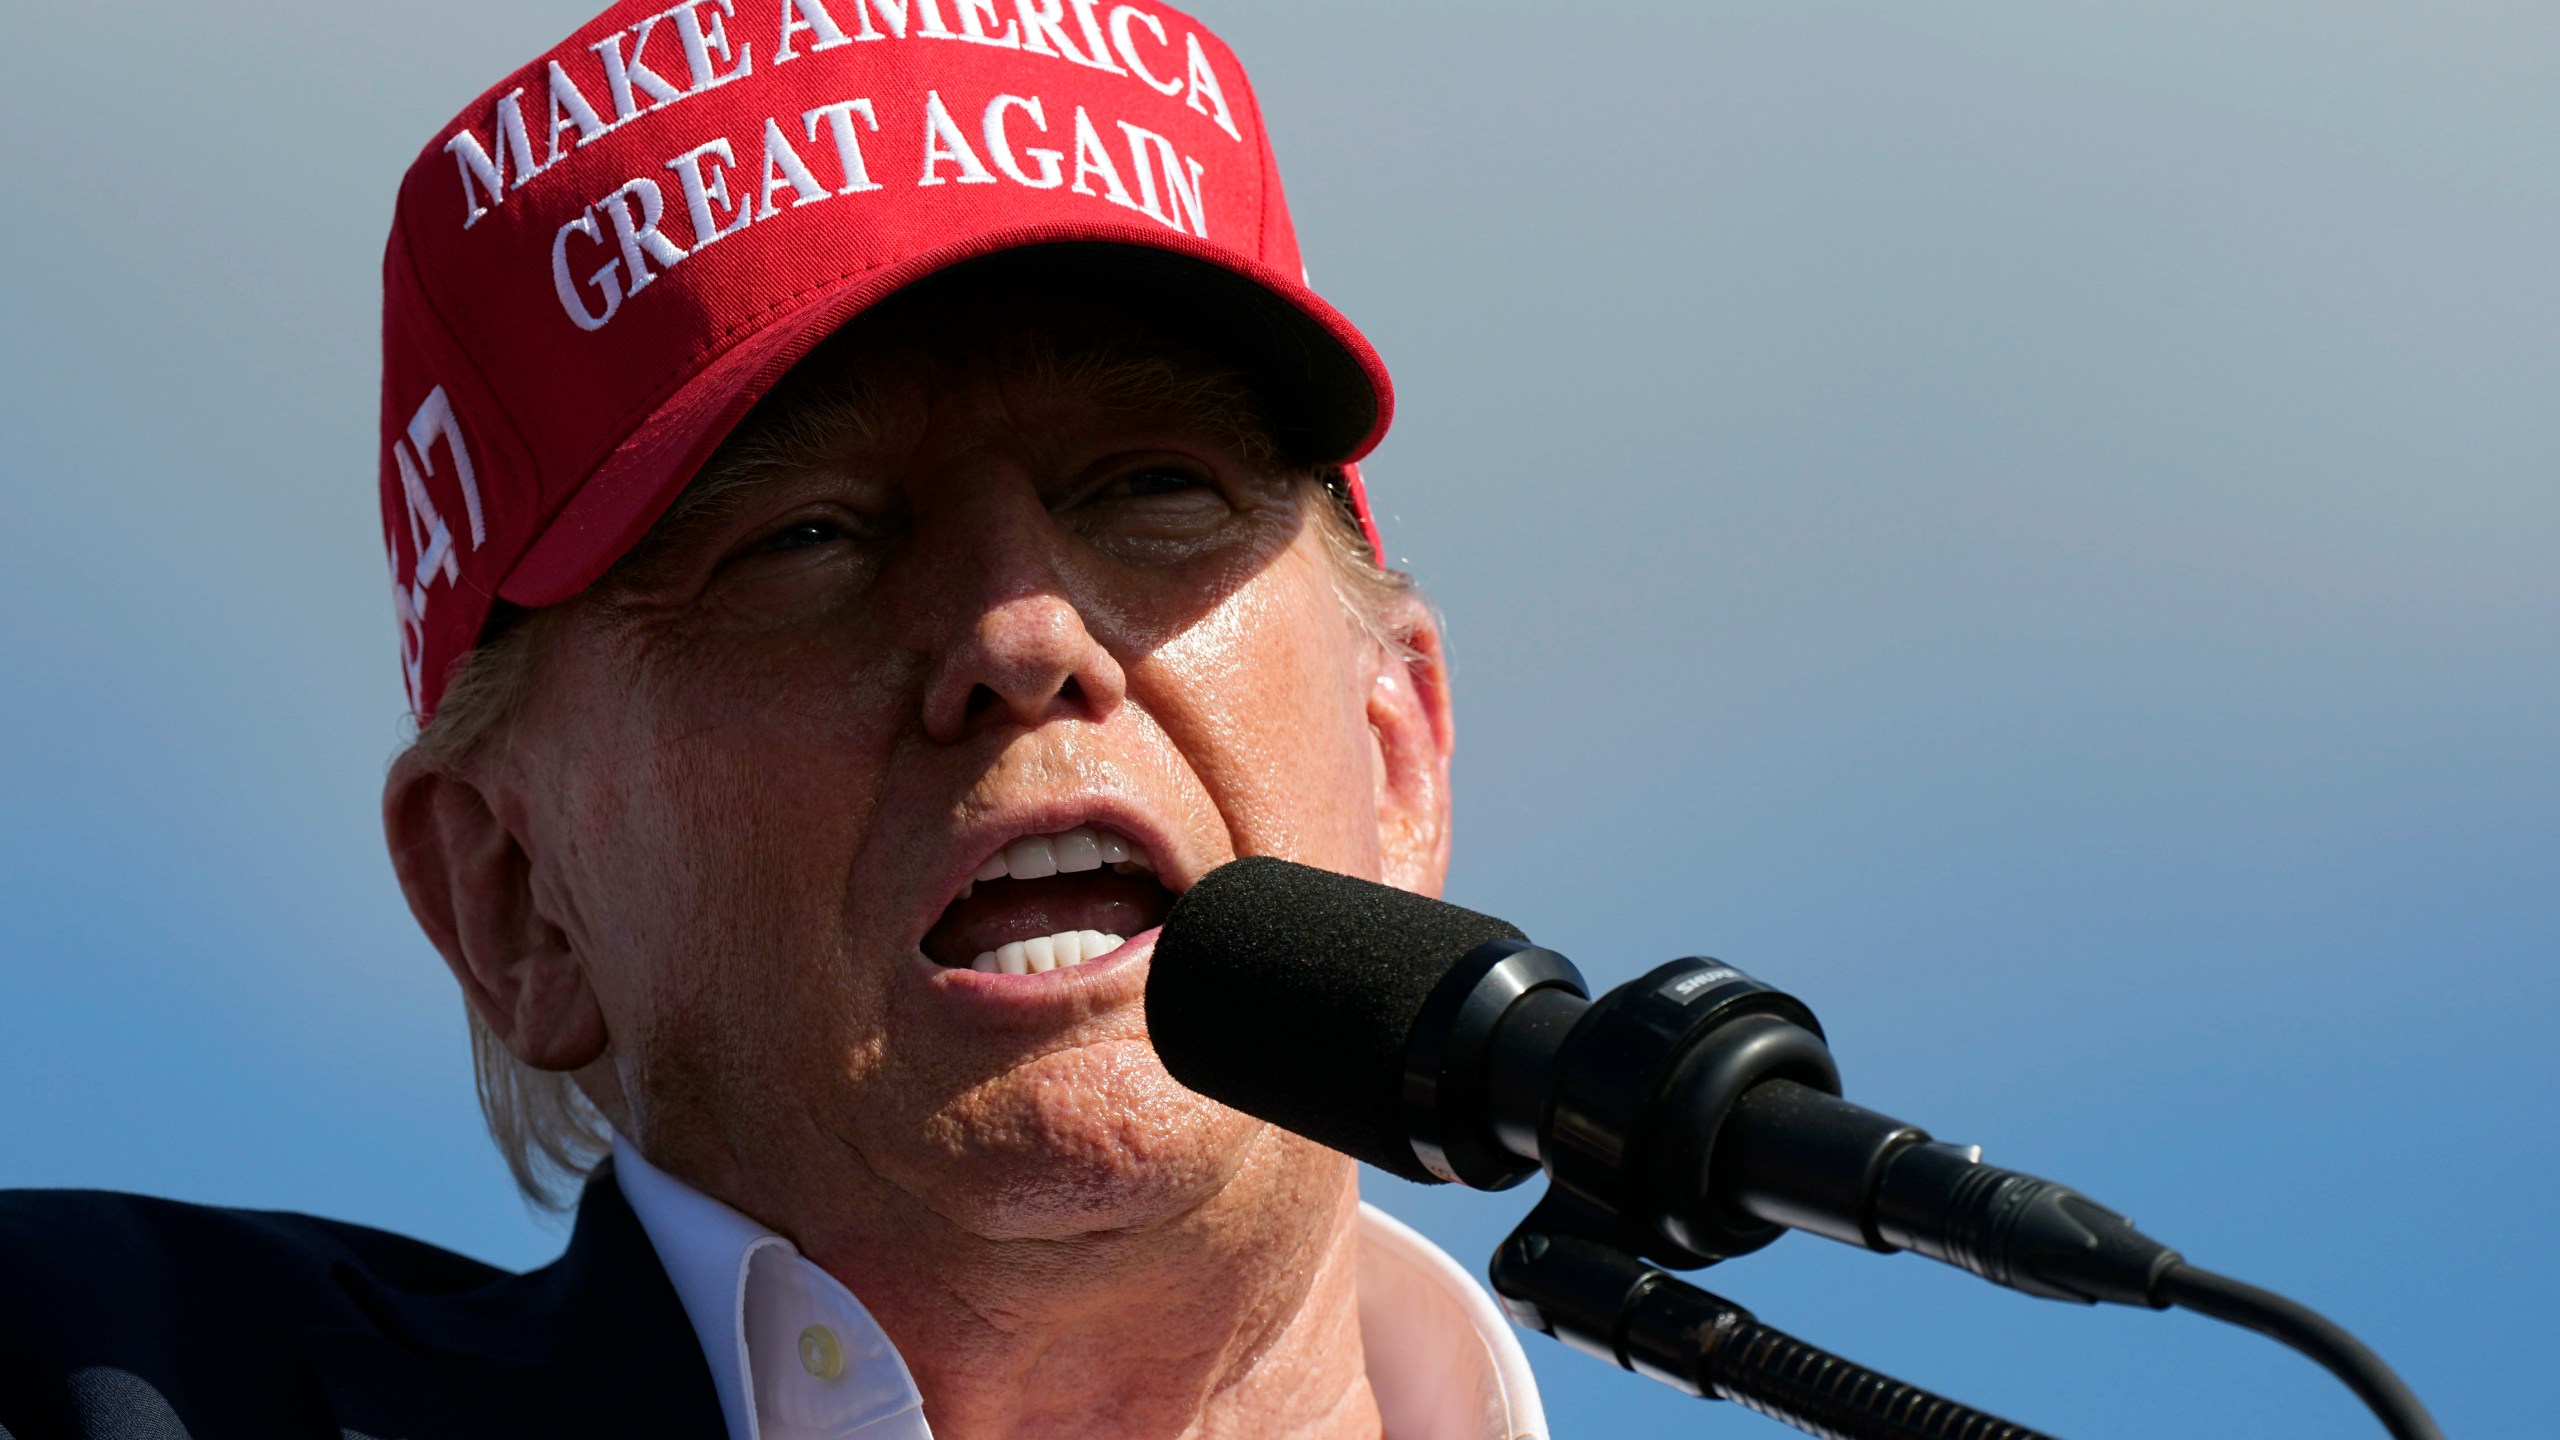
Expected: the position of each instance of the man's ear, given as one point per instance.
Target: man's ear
(1409, 718)
(470, 883)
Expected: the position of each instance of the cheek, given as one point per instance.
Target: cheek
(1265, 698)
(716, 825)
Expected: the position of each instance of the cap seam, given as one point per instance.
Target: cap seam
(1270, 162)
(470, 362)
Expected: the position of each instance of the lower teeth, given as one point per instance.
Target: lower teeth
(1048, 952)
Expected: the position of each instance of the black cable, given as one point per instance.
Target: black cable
(1606, 1302)
(1824, 1395)
(2305, 1330)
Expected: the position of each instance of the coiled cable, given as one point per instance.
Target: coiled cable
(1822, 1394)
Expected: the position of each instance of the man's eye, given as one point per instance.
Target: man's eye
(798, 537)
(1159, 480)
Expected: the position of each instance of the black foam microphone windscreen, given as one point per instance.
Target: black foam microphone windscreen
(1289, 993)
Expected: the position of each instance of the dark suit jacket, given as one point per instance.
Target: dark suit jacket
(143, 1319)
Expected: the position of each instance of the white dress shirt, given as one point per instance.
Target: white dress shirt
(794, 1356)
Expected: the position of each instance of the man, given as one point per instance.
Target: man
(871, 514)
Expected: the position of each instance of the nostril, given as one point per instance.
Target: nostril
(1072, 691)
(981, 699)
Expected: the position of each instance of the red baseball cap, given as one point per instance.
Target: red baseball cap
(600, 266)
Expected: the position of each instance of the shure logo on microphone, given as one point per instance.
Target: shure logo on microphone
(1688, 987)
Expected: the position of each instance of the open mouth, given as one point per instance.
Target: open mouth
(1048, 902)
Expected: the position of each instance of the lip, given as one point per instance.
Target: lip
(1090, 988)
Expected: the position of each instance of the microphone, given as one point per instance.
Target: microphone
(1689, 1116)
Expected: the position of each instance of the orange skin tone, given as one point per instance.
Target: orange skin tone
(698, 872)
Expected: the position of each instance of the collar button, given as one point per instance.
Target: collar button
(820, 1353)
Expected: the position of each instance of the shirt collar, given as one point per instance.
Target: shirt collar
(794, 1356)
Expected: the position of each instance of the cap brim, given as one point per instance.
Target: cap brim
(1328, 393)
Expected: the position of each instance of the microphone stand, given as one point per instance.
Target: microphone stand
(1628, 1101)
(1606, 1303)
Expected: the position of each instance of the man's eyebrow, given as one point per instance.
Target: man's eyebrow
(715, 495)
(834, 406)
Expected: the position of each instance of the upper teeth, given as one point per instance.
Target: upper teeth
(1036, 857)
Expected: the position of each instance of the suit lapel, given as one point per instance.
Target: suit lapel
(594, 1343)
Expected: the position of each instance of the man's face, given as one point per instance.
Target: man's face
(1035, 581)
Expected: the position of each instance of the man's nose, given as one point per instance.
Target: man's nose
(1021, 653)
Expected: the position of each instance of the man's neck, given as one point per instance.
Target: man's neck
(1236, 1317)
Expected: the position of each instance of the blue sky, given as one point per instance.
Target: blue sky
(2036, 527)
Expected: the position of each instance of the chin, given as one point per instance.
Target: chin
(1096, 1138)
